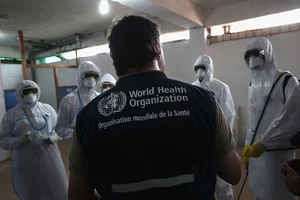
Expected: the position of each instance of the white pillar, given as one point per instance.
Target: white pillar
(3, 154)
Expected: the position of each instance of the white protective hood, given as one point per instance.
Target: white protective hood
(83, 68)
(267, 74)
(107, 78)
(23, 84)
(206, 61)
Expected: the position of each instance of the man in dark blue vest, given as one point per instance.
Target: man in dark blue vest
(149, 137)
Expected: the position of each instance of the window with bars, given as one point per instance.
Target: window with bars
(261, 26)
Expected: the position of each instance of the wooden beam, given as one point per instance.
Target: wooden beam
(50, 66)
(68, 86)
(11, 62)
(77, 58)
(56, 86)
(23, 55)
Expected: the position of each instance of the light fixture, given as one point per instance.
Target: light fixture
(175, 36)
(104, 7)
(2, 35)
(52, 59)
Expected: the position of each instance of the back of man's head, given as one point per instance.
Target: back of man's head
(132, 42)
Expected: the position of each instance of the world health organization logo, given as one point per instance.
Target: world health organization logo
(113, 103)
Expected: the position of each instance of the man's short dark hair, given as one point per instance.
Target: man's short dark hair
(131, 42)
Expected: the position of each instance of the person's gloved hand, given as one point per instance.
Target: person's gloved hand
(255, 150)
(37, 138)
(245, 157)
(27, 138)
(52, 139)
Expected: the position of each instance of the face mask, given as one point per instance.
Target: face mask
(90, 82)
(256, 63)
(201, 74)
(30, 99)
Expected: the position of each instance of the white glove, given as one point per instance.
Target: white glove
(52, 139)
(27, 138)
(38, 137)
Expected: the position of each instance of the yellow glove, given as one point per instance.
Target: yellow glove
(245, 157)
(255, 150)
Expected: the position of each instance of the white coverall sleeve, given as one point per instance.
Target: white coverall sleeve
(63, 125)
(227, 105)
(286, 123)
(7, 140)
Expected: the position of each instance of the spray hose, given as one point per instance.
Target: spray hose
(247, 169)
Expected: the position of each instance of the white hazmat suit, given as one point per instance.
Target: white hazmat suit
(279, 123)
(223, 97)
(38, 169)
(109, 80)
(72, 103)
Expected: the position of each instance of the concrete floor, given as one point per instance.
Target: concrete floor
(7, 192)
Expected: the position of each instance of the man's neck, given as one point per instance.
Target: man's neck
(143, 69)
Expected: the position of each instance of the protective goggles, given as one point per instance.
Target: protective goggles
(29, 90)
(203, 67)
(91, 74)
(254, 53)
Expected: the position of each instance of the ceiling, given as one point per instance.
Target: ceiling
(48, 21)
(53, 20)
(209, 4)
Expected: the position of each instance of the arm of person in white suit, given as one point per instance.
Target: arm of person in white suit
(286, 123)
(7, 140)
(227, 105)
(63, 126)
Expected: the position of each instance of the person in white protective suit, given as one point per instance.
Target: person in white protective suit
(273, 116)
(28, 130)
(204, 69)
(88, 76)
(107, 81)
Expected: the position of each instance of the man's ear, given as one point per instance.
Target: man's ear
(157, 48)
